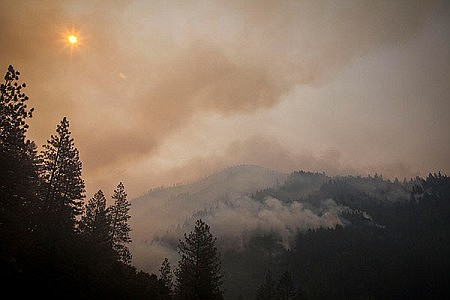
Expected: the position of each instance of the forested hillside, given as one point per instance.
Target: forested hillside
(393, 242)
(320, 237)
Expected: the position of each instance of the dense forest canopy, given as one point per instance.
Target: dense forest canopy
(393, 241)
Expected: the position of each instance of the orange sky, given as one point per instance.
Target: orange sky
(159, 92)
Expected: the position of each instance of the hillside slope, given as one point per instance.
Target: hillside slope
(163, 209)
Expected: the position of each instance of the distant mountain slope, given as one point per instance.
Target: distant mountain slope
(340, 237)
(163, 209)
(226, 184)
(393, 241)
(237, 180)
(241, 201)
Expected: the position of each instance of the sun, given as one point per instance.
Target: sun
(72, 39)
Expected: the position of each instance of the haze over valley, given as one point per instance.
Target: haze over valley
(210, 150)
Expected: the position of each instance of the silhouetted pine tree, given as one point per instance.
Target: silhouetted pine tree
(63, 187)
(165, 280)
(120, 229)
(18, 167)
(199, 274)
(95, 226)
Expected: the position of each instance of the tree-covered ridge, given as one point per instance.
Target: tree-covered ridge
(307, 186)
(393, 243)
(299, 185)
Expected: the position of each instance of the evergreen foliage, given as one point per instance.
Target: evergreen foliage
(120, 229)
(63, 187)
(199, 274)
(18, 168)
(393, 243)
(166, 280)
(95, 226)
(283, 290)
(14, 112)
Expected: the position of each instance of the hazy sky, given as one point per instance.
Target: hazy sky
(159, 92)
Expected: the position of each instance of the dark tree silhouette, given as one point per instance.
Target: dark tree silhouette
(166, 280)
(18, 167)
(41, 199)
(199, 274)
(120, 229)
(63, 187)
(14, 113)
(95, 226)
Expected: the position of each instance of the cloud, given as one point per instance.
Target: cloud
(269, 152)
(234, 221)
(181, 59)
(239, 217)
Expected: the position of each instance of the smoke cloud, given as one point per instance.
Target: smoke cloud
(161, 217)
(234, 221)
(145, 71)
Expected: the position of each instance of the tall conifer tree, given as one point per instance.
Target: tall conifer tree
(165, 280)
(18, 164)
(199, 274)
(94, 225)
(120, 229)
(63, 187)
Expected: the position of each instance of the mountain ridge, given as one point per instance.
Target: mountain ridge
(231, 174)
(162, 209)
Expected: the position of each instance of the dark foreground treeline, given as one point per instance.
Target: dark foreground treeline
(394, 243)
(54, 245)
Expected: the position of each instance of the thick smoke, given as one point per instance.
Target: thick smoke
(243, 216)
(146, 69)
(162, 217)
(235, 221)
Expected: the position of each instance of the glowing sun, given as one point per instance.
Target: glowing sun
(72, 39)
